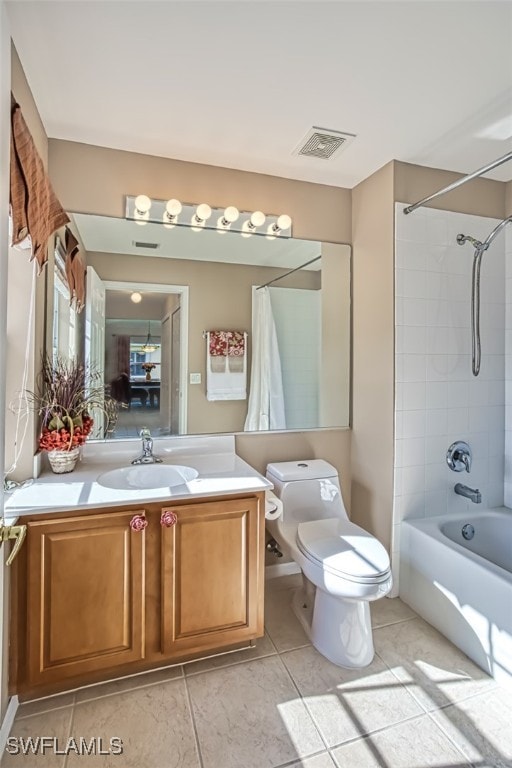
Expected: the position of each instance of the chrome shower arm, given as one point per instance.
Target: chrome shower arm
(497, 229)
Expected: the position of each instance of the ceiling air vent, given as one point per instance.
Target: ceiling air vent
(323, 143)
(139, 244)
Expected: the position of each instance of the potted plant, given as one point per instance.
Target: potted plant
(148, 367)
(65, 403)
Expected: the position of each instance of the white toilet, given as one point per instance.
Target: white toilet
(343, 566)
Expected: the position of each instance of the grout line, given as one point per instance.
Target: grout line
(231, 664)
(193, 721)
(70, 730)
(298, 760)
(317, 728)
(369, 734)
(452, 741)
(102, 694)
(407, 684)
(392, 623)
(410, 684)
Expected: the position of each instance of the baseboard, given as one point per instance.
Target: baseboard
(8, 720)
(281, 569)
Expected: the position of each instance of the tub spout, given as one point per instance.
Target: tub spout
(470, 493)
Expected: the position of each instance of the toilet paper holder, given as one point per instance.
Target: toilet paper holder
(273, 506)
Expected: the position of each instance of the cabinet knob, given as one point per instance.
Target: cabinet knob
(138, 523)
(167, 519)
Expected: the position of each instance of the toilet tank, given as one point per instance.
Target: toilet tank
(309, 490)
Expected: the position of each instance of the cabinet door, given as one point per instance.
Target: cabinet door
(212, 575)
(85, 595)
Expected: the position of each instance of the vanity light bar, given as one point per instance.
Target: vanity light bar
(172, 213)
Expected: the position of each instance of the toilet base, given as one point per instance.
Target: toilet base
(339, 629)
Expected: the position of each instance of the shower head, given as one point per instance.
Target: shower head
(461, 239)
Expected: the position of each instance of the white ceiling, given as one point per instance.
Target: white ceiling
(238, 84)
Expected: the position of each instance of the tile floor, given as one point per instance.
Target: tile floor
(420, 704)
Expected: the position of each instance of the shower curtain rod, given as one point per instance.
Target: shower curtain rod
(461, 181)
(289, 273)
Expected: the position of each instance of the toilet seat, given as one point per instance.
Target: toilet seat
(344, 549)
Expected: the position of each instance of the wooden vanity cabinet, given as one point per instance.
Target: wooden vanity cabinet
(92, 598)
(85, 595)
(211, 570)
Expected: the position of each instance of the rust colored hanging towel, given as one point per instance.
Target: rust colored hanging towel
(230, 343)
(218, 343)
(75, 271)
(35, 209)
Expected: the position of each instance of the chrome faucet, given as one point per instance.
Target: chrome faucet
(146, 456)
(459, 456)
(470, 493)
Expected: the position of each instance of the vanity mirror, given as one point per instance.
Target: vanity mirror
(172, 285)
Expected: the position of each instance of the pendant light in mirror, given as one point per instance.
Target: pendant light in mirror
(149, 345)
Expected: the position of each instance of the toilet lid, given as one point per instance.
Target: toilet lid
(342, 547)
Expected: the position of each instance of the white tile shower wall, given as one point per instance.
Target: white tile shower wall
(508, 367)
(438, 400)
(297, 315)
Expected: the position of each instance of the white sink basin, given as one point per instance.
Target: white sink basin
(146, 476)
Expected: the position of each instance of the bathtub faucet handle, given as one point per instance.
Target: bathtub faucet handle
(466, 459)
(459, 456)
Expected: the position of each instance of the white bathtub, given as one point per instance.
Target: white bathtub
(463, 588)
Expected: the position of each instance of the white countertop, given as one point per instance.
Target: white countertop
(220, 470)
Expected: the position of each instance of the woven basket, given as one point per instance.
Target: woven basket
(63, 461)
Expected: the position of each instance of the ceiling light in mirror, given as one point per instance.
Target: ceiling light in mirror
(136, 297)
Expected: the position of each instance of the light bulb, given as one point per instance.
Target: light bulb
(136, 297)
(284, 221)
(142, 203)
(257, 218)
(203, 212)
(173, 207)
(231, 214)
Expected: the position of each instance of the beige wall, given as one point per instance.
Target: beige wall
(508, 199)
(21, 273)
(373, 353)
(481, 197)
(5, 102)
(336, 331)
(92, 179)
